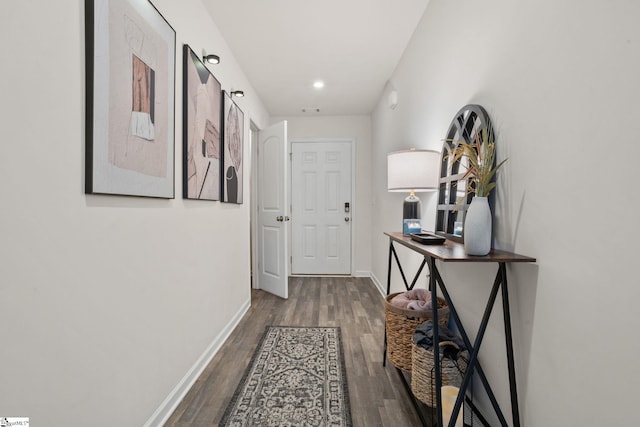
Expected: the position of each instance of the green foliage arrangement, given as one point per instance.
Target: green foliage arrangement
(481, 154)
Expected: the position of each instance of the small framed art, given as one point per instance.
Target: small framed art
(233, 136)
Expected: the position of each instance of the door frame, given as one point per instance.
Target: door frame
(254, 131)
(353, 206)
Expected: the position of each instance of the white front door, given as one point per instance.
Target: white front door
(321, 207)
(273, 210)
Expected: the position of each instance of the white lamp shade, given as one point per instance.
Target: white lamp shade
(414, 169)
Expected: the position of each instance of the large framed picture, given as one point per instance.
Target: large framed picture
(130, 119)
(233, 134)
(202, 118)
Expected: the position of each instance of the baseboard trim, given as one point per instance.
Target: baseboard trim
(362, 273)
(164, 411)
(359, 273)
(376, 282)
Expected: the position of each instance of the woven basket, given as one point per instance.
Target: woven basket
(423, 376)
(400, 326)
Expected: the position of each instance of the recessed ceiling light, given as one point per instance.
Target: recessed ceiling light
(318, 84)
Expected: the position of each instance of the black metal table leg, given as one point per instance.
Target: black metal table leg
(384, 355)
(389, 267)
(476, 365)
(394, 255)
(404, 278)
(509, 343)
(480, 336)
(433, 287)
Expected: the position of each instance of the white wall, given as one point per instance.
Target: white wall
(107, 301)
(560, 82)
(357, 128)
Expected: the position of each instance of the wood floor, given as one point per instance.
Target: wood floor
(355, 305)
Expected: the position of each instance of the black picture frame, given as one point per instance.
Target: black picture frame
(202, 130)
(130, 99)
(232, 152)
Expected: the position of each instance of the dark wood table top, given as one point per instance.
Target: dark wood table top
(452, 251)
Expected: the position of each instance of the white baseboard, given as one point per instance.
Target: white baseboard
(164, 411)
(362, 274)
(359, 273)
(376, 282)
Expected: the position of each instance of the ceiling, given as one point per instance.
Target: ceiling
(283, 46)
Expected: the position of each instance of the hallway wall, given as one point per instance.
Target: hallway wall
(107, 301)
(560, 82)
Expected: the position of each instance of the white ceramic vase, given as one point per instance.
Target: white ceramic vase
(477, 227)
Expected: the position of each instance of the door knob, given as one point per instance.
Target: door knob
(347, 219)
(279, 218)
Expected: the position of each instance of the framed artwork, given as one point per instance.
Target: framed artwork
(233, 136)
(201, 130)
(130, 119)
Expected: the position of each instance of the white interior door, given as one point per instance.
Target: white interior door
(273, 210)
(321, 207)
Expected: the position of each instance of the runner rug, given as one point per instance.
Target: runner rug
(296, 378)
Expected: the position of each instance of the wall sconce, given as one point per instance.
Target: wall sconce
(237, 93)
(412, 171)
(211, 59)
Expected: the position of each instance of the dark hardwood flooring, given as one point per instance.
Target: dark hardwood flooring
(376, 393)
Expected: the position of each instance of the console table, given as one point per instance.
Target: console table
(454, 252)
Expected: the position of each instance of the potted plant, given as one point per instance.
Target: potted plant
(481, 171)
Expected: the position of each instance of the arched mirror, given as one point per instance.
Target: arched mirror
(453, 190)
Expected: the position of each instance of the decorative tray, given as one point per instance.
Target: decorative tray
(427, 238)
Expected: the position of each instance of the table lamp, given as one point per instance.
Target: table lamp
(412, 171)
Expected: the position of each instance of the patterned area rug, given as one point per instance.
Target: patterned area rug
(296, 378)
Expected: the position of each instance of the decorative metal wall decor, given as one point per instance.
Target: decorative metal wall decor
(130, 77)
(233, 136)
(454, 197)
(202, 120)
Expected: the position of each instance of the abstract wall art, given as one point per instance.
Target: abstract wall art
(202, 119)
(130, 77)
(233, 135)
